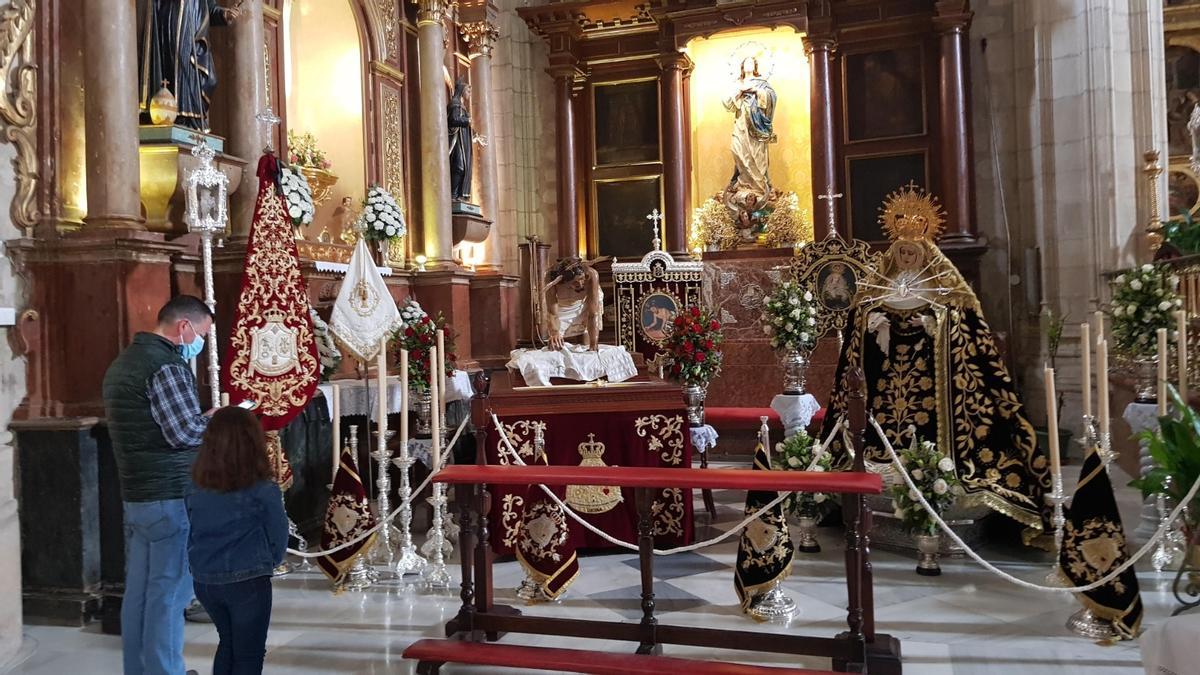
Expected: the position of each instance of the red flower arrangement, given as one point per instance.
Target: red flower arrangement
(695, 346)
(419, 337)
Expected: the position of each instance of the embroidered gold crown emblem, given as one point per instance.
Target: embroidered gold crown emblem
(911, 214)
(274, 315)
(592, 498)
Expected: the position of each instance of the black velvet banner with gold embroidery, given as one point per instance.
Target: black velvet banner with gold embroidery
(936, 368)
(764, 555)
(1094, 545)
(348, 516)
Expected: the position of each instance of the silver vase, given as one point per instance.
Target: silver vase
(806, 541)
(929, 546)
(1145, 379)
(795, 372)
(1085, 623)
(693, 396)
(424, 401)
(773, 605)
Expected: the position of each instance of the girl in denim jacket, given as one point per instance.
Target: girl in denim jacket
(238, 537)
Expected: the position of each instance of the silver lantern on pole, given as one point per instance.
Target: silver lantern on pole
(207, 214)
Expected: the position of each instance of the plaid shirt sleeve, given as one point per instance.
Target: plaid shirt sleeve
(176, 407)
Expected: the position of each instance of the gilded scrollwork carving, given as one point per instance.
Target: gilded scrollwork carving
(387, 15)
(481, 36)
(431, 11)
(393, 153)
(18, 104)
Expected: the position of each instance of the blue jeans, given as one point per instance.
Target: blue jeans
(157, 587)
(241, 612)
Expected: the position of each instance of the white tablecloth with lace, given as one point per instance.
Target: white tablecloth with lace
(359, 397)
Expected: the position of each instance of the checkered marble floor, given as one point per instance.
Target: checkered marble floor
(965, 622)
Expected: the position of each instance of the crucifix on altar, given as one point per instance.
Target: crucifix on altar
(656, 218)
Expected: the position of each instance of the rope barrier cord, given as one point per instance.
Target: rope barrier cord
(395, 512)
(516, 458)
(1162, 530)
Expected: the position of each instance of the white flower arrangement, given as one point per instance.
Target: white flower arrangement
(936, 480)
(796, 453)
(411, 313)
(1144, 300)
(327, 348)
(790, 317)
(381, 219)
(297, 196)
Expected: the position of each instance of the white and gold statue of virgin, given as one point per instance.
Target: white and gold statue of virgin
(931, 364)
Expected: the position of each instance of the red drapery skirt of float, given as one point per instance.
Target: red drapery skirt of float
(650, 438)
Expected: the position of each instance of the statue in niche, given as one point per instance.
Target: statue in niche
(174, 51)
(459, 121)
(753, 106)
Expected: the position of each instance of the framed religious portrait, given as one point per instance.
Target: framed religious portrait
(621, 206)
(1183, 93)
(836, 286)
(1183, 191)
(885, 94)
(626, 123)
(871, 179)
(657, 314)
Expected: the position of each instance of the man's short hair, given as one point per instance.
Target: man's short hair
(184, 307)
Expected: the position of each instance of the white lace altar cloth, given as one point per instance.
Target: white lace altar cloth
(572, 362)
(357, 399)
(796, 412)
(704, 438)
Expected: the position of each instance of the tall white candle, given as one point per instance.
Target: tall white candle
(1162, 371)
(441, 371)
(225, 400)
(337, 427)
(1181, 343)
(383, 397)
(435, 409)
(1052, 423)
(404, 403)
(1102, 385)
(1085, 344)
(1099, 327)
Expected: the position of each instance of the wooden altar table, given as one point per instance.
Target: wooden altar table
(640, 423)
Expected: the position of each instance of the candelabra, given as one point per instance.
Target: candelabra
(452, 529)
(1171, 541)
(774, 604)
(436, 576)
(360, 576)
(1057, 499)
(382, 553)
(409, 562)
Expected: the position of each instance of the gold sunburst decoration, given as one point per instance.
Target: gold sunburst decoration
(911, 214)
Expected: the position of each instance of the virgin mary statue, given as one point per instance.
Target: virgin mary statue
(932, 369)
(753, 108)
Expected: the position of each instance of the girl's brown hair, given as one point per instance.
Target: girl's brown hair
(233, 455)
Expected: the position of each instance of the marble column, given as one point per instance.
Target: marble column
(824, 134)
(568, 162)
(110, 69)
(675, 66)
(482, 36)
(952, 22)
(247, 97)
(435, 159)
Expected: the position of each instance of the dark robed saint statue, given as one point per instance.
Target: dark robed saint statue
(459, 121)
(173, 51)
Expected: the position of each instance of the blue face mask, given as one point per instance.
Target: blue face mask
(190, 350)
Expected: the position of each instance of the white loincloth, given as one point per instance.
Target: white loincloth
(572, 362)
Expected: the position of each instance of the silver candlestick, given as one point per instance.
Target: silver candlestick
(1057, 498)
(360, 576)
(436, 577)
(409, 562)
(773, 605)
(382, 554)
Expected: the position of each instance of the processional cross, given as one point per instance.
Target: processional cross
(831, 204)
(656, 218)
(266, 120)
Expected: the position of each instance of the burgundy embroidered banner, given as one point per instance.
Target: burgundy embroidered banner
(273, 358)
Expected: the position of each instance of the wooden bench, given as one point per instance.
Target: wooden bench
(858, 649)
(433, 653)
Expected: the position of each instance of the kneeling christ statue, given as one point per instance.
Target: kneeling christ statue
(573, 307)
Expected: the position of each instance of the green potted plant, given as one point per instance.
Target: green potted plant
(1175, 447)
(1052, 327)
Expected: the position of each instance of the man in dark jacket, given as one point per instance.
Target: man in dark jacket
(156, 424)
